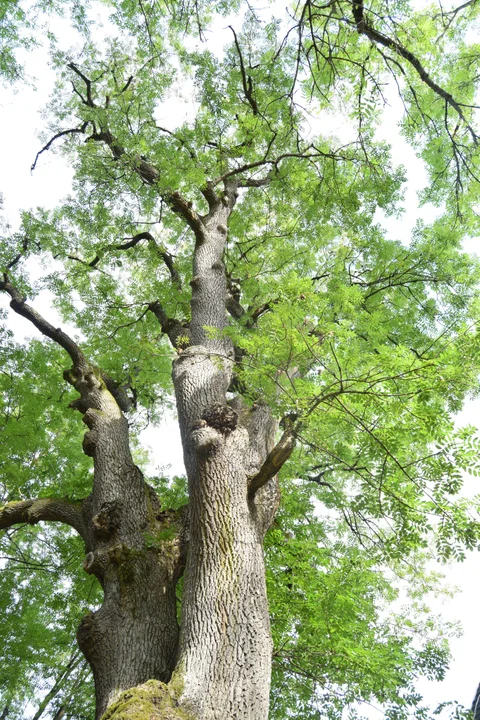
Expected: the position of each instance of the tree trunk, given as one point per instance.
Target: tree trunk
(221, 663)
(225, 643)
(225, 646)
(133, 636)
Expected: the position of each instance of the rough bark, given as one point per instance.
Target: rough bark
(134, 635)
(225, 644)
(221, 663)
(53, 509)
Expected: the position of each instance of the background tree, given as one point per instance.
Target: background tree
(340, 363)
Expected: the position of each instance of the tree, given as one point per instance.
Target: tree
(244, 250)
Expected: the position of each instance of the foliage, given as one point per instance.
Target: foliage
(363, 343)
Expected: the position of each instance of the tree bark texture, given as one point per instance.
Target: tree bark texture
(225, 642)
(219, 665)
(133, 636)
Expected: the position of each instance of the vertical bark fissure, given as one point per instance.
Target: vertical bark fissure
(225, 643)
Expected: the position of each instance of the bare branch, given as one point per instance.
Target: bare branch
(48, 509)
(87, 81)
(62, 133)
(275, 459)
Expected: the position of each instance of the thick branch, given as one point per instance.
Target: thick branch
(148, 172)
(234, 307)
(49, 509)
(88, 84)
(178, 333)
(19, 305)
(79, 360)
(275, 459)
(150, 175)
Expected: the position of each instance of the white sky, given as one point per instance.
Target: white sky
(19, 123)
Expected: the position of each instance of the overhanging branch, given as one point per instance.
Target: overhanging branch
(364, 27)
(19, 306)
(48, 509)
(132, 242)
(62, 133)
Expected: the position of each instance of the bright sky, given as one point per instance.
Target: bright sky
(19, 122)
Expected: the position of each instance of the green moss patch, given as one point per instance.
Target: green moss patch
(151, 701)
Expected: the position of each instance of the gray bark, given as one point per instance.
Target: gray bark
(225, 644)
(133, 636)
(222, 661)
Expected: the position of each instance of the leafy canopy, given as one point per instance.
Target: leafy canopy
(364, 344)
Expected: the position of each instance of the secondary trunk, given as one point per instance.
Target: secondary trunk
(133, 636)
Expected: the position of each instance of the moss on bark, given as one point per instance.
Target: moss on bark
(151, 701)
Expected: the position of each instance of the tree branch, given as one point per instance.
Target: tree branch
(87, 81)
(19, 306)
(48, 509)
(147, 172)
(62, 133)
(275, 459)
(365, 28)
(132, 242)
(252, 182)
(246, 79)
(150, 175)
(79, 360)
(177, 332)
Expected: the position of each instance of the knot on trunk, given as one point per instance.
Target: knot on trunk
(221, 417)
(89, 443)
(86, 633)
(206, 439)
(90, 439)
(107, 520)
(83, 379)
(96, 563)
